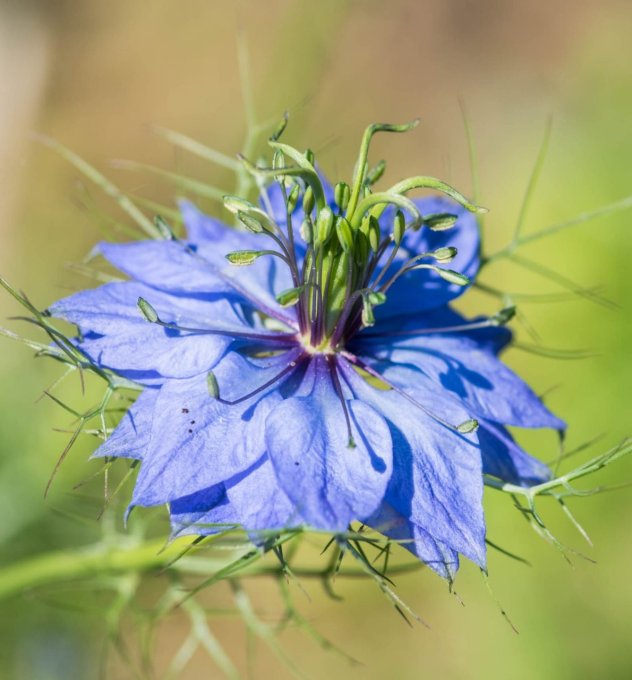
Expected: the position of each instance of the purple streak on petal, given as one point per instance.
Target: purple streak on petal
(437, 474)
(330, 482)
(422, 289)
(196, 440)
(457, 364)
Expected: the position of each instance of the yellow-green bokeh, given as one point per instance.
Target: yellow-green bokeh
(95, 75)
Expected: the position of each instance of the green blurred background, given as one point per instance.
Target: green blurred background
(95, 75)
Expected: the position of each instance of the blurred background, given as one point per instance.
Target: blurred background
(97, 75)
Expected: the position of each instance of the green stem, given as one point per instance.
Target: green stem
(67, 566)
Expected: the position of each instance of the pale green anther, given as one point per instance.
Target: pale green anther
(345, 234)
(147, 310)
(374, 233)
(440, 221)
(308, 200)
(504, 316)
(342, 192)
(468, 426)
(451, 276)
(309, 156)
(324, 224)
(292, 199)
(289, 297)
(307, 230)
(165, 231)
(399, 227)
(278, 160)
(376, 297)
(375, 173)
(235, 203)
(212, 385)
(243, 258)
(251, 223)
(446, 254)
(368, 318)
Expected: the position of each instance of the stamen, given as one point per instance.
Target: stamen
(289, 368)
(469, 425)
(341, 397)
(151, 315)
(487, 323)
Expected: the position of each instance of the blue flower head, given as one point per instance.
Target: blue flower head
(306, 368)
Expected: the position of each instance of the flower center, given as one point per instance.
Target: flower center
(343, 252)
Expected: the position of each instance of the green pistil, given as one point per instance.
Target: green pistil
(336, 289)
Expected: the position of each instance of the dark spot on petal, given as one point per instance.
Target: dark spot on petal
(185, 410)
(190, 431)
(193, 422)
(296, 462)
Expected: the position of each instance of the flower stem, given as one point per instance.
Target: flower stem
(102, 560)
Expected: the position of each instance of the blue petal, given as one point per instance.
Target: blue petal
(130, 439)
(307, 439)
(504, 459)
(437, 475)
(259, 501)
(198, 441)
(423, 289)
(173, 267)
(458, 365)
(438, 556)
(203, 513)
(117, 336)
(397, 328)
(212, 240)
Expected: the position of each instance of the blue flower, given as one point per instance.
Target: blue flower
(315, 379)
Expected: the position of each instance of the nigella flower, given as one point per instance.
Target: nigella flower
(307, 369)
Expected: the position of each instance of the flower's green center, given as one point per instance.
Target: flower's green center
(343, 254)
